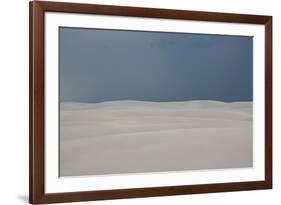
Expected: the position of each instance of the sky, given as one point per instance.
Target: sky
(97, 65)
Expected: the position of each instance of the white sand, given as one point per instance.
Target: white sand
(134, 137)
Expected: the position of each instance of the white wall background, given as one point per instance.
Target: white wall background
(14, 101)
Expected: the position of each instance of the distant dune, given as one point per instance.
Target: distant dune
(135, 136)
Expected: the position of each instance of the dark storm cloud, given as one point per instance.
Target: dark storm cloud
(100, 65)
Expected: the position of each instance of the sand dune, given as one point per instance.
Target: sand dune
(133, 136)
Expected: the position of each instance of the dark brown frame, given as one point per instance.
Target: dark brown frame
(37, 9)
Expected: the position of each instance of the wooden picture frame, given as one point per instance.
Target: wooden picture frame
(37, 10)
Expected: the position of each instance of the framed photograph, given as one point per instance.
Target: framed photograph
(138, 102)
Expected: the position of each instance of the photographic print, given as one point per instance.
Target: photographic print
(138, 101)
(130, 102)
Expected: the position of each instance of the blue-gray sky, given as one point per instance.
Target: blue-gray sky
(105, 65)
